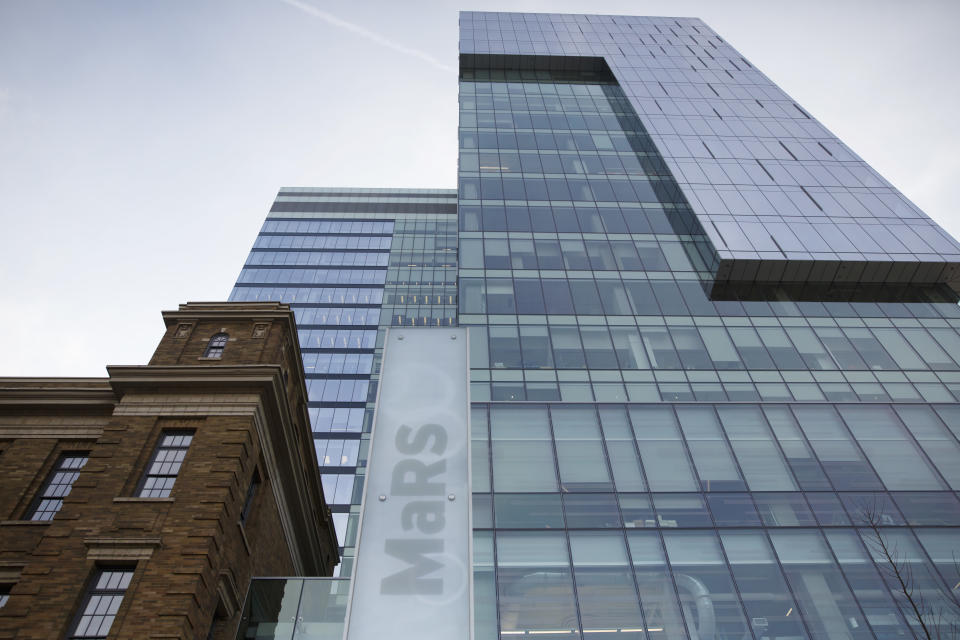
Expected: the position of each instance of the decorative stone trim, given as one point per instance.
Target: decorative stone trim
(80, 432)
(120, 548)
(172, 407)
(229, 594)
(10, 571)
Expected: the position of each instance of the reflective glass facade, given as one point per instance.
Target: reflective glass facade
(780, 197)
(295, 608)
(715, 359)
(351, 262)
(661, 450)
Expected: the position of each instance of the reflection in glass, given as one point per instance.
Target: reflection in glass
(580, 452)
(708, 598)
(766, 599)
(605, 590)
(756, 451)
(657, 596)
(528, 511)
(662, 452)
(839, 456)
(712, 459)
(522, 451)
(535, 584)
(867, 585)
(627, 473)
(783, 510)
(484, 587)
(828, 605)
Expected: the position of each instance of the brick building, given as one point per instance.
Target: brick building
(140, 505)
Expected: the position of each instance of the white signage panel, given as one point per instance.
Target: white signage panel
(412, 578)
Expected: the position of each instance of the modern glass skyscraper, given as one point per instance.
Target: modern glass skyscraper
(350, 261)
(714, 358)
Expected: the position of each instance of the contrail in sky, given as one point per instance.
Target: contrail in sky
(366, 33)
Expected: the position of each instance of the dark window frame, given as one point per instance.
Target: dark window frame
(165, 463)
(107, 581)
(255, 482)
(51, 494)
(216, 346)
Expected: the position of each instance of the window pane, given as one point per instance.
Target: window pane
(943, 548)
(825, 599)
(624, 462)
(720, 348)
(605, 590)
(882, 614)
(839, 456)
(814, 355)
(766, 599)
(580, 455)
(595, 511)
(535, 584)
(712, 459)
(780, 348)
(897, 544)
(899, 348)
(522, 450)
(535, 344)
(657, 596)
(940, 508)
(629, 348)
(636, 510)
(893, 453)
(662, 452)
(757, 453)
(806, 469)
(733, 510)
(934, 439)
(681, 510)
(484, 587)
(699, 569)
(528, 511)
(929, 350)
(784, 509)
(479, 449)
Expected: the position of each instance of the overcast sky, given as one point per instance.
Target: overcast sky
(142, 143)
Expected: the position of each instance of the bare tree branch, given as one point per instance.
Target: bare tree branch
(940, 623)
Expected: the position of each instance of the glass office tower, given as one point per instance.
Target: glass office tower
(715, 360)
(351, 262)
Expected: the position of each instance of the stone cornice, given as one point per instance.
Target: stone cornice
(91, 393)
(258, 391)
(121, 548)
(193, 311)
(215, 378)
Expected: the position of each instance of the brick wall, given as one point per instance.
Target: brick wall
(191, 555)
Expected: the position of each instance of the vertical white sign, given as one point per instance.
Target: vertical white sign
(412, 577)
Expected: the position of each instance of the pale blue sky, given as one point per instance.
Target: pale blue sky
(141, 143)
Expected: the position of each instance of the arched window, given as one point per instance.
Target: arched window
(215, 346)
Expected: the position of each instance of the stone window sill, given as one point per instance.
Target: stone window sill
(148, 500)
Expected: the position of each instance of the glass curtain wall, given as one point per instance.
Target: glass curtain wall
(351, 262)
(650, 462)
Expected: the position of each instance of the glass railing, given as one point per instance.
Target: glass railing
(295, 609)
